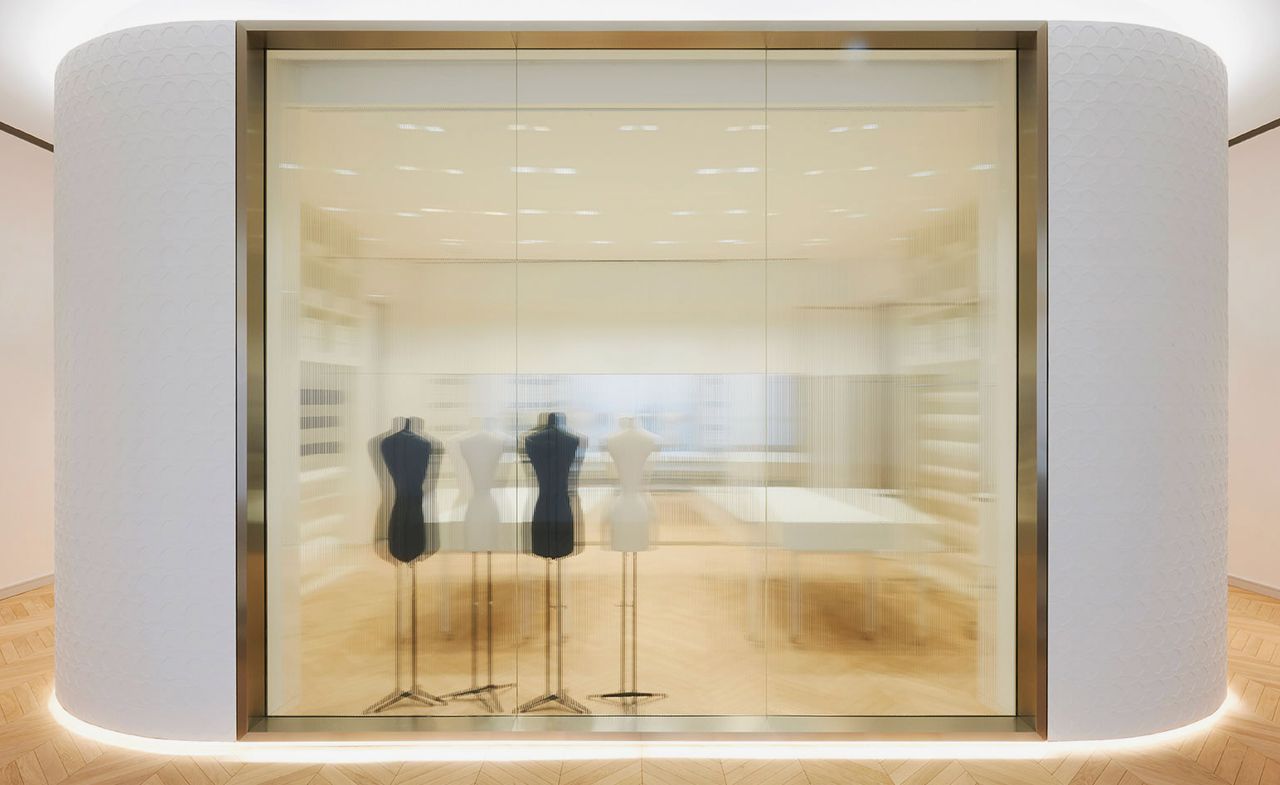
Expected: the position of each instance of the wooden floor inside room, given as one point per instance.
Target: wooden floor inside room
(1243, 746)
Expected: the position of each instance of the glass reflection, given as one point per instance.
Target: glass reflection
(608, 382)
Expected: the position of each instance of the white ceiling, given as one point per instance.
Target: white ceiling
(34, 34)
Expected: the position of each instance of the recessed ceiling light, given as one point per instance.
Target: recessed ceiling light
(345, 172)
(866, 168)
(707, 170)
(897, 239)
(924, 173)
(667, 242)
(540, 128)
(563, 170)
(493, 212)
(856, 215)
(532, 211)
(812, 172)
(935, 209)
(517, 127)
(839, 129)
(734, 128)
(452, 171)
(602, 242)
(736, 211)
(451, 240)
(684, 212)
(407, 168)
(409, 215)
(757, 127)
(336, 209)
(371, 239)
(982, 167)
(732, 242)
(406, 126)
(532, 242)
(747, 169)
(434, 210)
(290, 166)
(870, 126)
(586, 212)
(817, 241)
(434, 129)
(646, 127)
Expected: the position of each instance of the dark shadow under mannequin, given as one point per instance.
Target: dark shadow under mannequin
(405, 535)
(555, 453)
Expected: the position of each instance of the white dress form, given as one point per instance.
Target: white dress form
(477, 455)
(480, 451)
(631, 514)
(630, 518)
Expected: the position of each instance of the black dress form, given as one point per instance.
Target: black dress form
(407, 456)
(554, 452)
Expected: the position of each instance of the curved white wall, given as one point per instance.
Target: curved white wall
(146, 398)
(145, 427)
(1137, 380)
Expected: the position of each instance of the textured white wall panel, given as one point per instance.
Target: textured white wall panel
(145, 426)
(1137, 380)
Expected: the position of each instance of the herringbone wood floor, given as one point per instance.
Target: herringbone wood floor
(1243, 747)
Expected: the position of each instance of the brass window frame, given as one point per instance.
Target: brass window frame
(1028, 39)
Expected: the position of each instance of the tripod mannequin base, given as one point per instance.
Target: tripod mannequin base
(628, 700)
(415, 695)
(551, 699)
(486, 696)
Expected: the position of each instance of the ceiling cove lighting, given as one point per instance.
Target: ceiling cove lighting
(504, 750)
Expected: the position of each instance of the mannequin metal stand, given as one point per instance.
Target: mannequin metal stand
(487, 694)
(414, 693)
(558, 696)
(629, 699)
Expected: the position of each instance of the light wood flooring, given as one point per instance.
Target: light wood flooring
(724, 628)
(1243, 747)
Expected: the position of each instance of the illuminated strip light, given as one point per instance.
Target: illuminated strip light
(514, 750)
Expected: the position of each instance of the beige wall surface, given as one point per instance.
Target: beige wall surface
(26, 363)
(1254, 385)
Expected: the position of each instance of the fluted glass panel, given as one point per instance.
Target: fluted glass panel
(641, 382)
